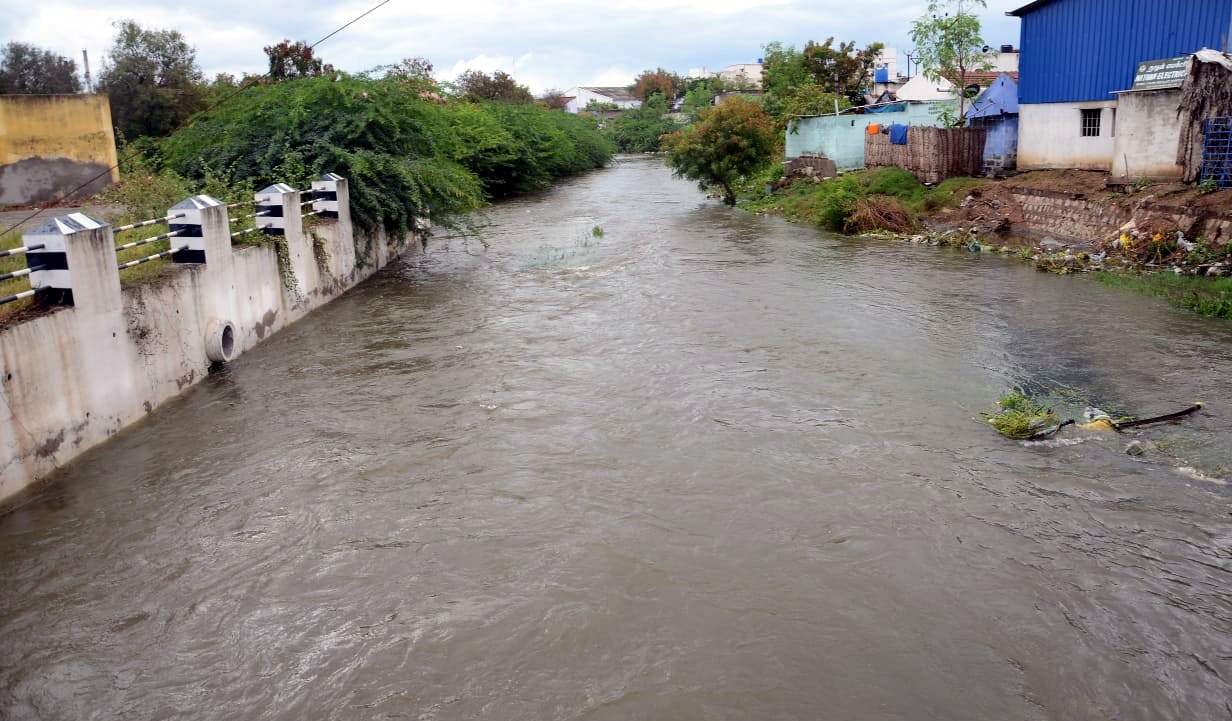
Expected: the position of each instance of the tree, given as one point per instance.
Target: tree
(639, 130)
(152, 80)
(842, 70)
(553, 99)
(594, 105)
(947, 40)
(700, 95)
(478, 86)
(807, 81)
(811, 99)
(29, 70)
(222, 86)
(289, 61)
(656, 81)
(731, 141)
(415, 72)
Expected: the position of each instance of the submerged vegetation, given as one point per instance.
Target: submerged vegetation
(1017, 416)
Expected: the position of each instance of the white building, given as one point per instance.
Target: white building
(922, 89)
(740, 75)
(580, 97)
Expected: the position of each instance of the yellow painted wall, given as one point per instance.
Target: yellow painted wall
(74, 128)
(77, 127)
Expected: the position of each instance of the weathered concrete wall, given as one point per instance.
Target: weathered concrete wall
(51, 144)
(1050, 136)
(1147, 136)
(841, 138)
(72, 379)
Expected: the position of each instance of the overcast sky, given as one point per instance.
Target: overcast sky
(544, 44)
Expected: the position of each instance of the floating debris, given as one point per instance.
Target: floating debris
(1018, 417)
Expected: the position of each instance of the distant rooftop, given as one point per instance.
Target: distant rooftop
(614, 93)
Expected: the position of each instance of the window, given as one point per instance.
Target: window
(1090, 123)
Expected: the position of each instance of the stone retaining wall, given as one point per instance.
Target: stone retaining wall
(1065, 215)
(1075, 216)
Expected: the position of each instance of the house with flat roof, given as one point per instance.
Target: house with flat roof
(1076, 54)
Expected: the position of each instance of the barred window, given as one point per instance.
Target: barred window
(1090, 123)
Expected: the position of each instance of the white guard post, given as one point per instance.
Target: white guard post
(192, 232)
(68, 255)
(325, 195)
(272, 201)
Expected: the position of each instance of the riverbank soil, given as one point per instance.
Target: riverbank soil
(997, 206)
(1063, 221)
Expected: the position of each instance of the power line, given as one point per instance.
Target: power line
(191, 120)
(344, 27)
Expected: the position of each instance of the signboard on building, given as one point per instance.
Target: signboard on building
(1157, 74)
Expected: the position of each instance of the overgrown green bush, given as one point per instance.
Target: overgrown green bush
(831, 203)
(405, 155)
(640, 130)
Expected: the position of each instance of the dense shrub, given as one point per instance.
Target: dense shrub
(640, 130)
(730, 142)
(405, 155)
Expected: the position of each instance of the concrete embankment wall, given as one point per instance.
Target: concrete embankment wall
(75, 377)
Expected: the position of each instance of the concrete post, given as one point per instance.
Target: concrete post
(89, 279)
(331, 194)
(78, 260)
(286, 219)
(206, 229)
(325, 195)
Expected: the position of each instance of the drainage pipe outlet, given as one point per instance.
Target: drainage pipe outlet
(220, 340)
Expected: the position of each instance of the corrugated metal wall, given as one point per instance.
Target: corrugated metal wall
(1078, 50)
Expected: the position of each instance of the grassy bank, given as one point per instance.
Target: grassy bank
(863, 200)
(1205, 296)
(892, 200)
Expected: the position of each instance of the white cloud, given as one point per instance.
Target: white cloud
(542, 43)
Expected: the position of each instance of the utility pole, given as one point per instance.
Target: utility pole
(85, 62)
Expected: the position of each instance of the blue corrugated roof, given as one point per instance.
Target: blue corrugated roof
(1028, 8)
(1000, 98)
(1082, 50)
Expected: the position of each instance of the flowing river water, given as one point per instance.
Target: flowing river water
(701, 465)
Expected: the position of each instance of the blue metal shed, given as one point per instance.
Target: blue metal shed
(996, 110)
(1084, 50)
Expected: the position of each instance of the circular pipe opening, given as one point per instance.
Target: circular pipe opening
(220, 341)
(228, 341)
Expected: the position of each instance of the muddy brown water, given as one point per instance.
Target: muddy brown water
(703, 465)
